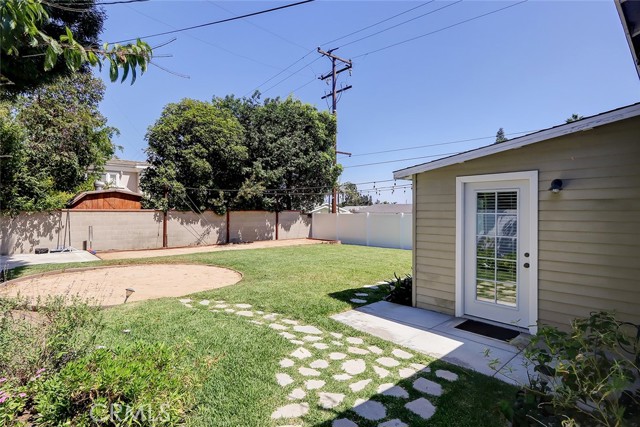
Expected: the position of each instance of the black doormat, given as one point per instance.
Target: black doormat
(487, 330)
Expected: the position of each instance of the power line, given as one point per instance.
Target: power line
(285, 69)
(402, 160)
(439, 30)
(220, 21)
(290, 75)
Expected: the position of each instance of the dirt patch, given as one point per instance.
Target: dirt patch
(107, 286)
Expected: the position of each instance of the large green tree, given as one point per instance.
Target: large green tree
(57, 140)
(352, 197)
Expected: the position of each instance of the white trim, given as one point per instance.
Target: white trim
(532, 178)
(554, 132)
(414, 240)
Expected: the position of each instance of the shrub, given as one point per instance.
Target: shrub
(399, 290)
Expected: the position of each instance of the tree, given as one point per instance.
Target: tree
(59, 141)
(574, 118)
(352, 197)
(500, 136)
(35, 34)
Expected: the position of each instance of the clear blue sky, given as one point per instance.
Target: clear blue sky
(525, 68)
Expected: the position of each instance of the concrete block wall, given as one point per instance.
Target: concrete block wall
(251, 226)
(189, 228)
(293, 225)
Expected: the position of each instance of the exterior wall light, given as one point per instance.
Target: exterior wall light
(556, 185)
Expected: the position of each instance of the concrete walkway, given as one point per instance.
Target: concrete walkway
(435, 334)
(152, 253)
(18, 260)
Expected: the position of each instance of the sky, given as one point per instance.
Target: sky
(468, 72)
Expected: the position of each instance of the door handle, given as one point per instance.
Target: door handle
(526, 265)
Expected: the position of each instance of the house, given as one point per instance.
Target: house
(384, 208)
(110, 199)
(326, 208)
(123, 174)
(542, 228)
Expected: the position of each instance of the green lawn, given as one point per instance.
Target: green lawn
(236, 361)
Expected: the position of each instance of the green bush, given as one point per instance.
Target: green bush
(399, 290)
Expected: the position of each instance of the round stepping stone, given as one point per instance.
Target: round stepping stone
(342, 377)
(337, 356)
(388, 362)
(270, 316)
(257, 322)
(375, 350)
(446, 375)
(421, 407)
(308, 372)
(358, 301)
(297, 394)
(361, 294)
(289, 321)
(330, 400)
(320, 345)
(229, 310)
(424, 385)
(311, 338)
(319, 364)
(244, 305)
(401, 354)
(370, 409)
(278, 327)
(343, 422)
(185, 300)
(204, 302)
(356, 341)
(301, 353)
(382, 373)
(259, 312)
(308, 330)
(392, 390)
(219, 301)
(245, 313)
(407, 372)
(354, 367)
(294, 410)
(314, 384)
(338, 343)
(336, 335)
(220, 306)
(190, 306)
(393, 423)
(284, 379)
(359, 386)
(218, 311)
(297, 342)
(420, 367)
(287, 335)
(286, 363)
(357, 350)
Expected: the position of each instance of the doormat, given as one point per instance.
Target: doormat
(487, 330)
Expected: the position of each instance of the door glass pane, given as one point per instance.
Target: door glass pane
(496, 247)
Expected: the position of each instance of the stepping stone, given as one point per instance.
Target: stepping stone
(308, 330)
(401, 354)
(301, 353)
(259, 312)
(361, 294)
(185, 300)
(338, 343)
(220, 306)
(330, 400)
(359, 386)
(426, 386)
(356, 341)
(219, 301)
(389, 389)
(244, 305)
(446, 375)
(229, 310)
(319, 364)
(375, 350)
(245, 313)
(257, 322)
(289, 321)
(286, 363)
(270, 316)
(320, 345)
(308, 372)
(297, 394)
(288, 336)
(297, 342)
(370, 409)
(218, 311)
(190, 306)
(314, 384)
(294, 410)
(342, 377)
(343, 422)
(420, 367)
(336, 335)
(388, 362)
(337, 356)
(382, 373)
(311, 338)
(358, 301)
(278, 327)
(357, 350)
(204, 302)
(421, 407)
(354, 367)
(393, 423)
(407, 372)
(284, 379)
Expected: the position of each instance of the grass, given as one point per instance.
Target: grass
(236, 360)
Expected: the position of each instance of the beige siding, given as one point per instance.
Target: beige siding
(589, 233)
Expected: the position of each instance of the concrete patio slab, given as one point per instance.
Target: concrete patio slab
(19, 260)
(435, 334)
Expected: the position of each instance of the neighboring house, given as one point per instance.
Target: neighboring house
(381, 208)
(498, 237)
(326, 208)
(111, 199)
(123, 174)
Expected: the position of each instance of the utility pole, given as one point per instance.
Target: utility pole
(165, 240)
(334, 98)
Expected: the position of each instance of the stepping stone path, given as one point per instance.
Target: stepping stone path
(346, 377)
(358, 301)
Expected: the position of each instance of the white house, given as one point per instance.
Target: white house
(123, 174)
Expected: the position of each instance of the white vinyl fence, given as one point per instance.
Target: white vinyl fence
(367, 229)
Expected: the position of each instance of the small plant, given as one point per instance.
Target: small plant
(399, 289)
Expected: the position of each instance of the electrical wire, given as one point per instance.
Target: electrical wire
(291, 75)
(402, 160)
